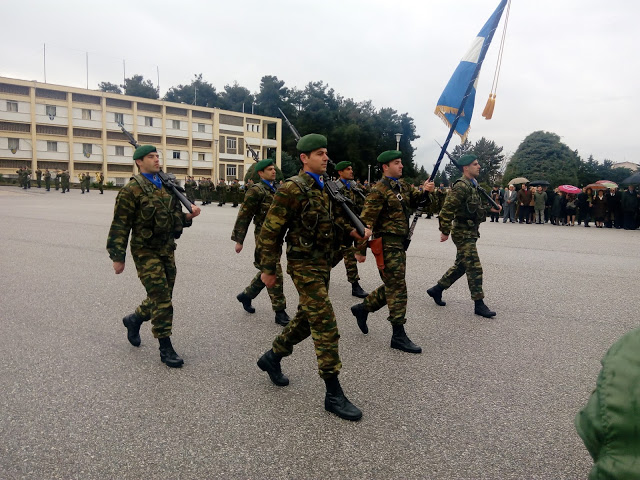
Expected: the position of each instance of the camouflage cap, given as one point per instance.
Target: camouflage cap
(466, 159)
(142, 151)
(389, 155)
(311, 142)
(342, 165)
(262, 164)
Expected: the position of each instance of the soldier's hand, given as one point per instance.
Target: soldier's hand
(360, 258)
(118, 267)
(443, 237)
(268, 280)
(195, 212)
(238, 247)
(429, 186)
(367, 234)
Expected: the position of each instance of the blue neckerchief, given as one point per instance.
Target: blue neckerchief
(317, 178)
(153, 179)
(393, 178)
(269, 184)
(347, 183)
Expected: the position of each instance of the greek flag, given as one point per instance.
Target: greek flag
(460, 93)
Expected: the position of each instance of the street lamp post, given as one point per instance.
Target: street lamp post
(369, 174)
(398, 137)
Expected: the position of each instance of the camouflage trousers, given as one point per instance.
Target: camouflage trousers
(393, 292)
(276, 293)
(158, 275)
(350, 262)
(467, 261)
(314, 317)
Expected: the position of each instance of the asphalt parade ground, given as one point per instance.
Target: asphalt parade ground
(487, 399)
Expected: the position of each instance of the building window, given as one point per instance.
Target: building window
(119, 151)
(201, 157)
(231, 171)
(52, 146)
(51, 111)
(86, 114)
(118, 118)
(12, 106)
(175, 124)
(201, 127)
(87, 149)
(231, 142)
(176, 155)
(253, 127)
(148, 121)
(14, 144)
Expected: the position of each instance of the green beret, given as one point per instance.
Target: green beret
(388, 156)
(342, 165)
(262, 164)
(142, 151)
(466, 159)
(311, 142)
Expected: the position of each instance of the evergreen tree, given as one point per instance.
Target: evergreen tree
(109, 87)
(137, 86)
(198, 92)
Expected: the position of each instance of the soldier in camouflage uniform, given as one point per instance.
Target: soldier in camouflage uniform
(189, 189)
(64, 181)
(387, 210)
(221, 190)
(100, 180)
(47, 179)
(27, 178)
(82, 179)
(255, 206)
(352, 191)
(461, 215)
(234, 190)
(155, 218)
(39, 177)
(302, 215)
(57, 179)
(87, 181)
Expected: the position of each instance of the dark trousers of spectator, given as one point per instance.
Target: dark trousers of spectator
(629, 220)
(524, 214)
(509, 212)
(583, 216)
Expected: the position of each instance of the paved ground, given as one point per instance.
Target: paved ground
(490, 399)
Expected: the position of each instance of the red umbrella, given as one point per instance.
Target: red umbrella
(597, 186)
(569, 189)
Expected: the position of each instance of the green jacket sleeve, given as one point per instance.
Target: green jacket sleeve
(121, 225)
(275, 227)
(451, 205)
(248, 209)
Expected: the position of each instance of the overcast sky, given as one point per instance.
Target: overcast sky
(569, 66)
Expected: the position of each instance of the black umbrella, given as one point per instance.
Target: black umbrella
(633, 179)
(539, 183)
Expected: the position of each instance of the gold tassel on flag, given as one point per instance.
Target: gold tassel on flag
(488, 109)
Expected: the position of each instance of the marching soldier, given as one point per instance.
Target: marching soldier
(27, 178)
(255, 206)
(234, 190)
(350, 190)
(302, 212)
(190, 190)
(39, 177)
(155, 219)
(47, 179)
(100, 180)
(82, 179)
(87, 181)
(57, 179)
(387, 211)
(64, 181)
(21, 177)
(221, 190)
(461, 215)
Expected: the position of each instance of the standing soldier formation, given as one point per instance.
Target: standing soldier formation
(255, 206)
(350, 190)
(64, 180)
(155, 219)
(387, 211)
(100, 181)
(221, 190)
(47, 179)
(234, 191)
(461, 215)
(302, 215)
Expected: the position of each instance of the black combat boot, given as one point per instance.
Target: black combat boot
(435, 292)
(168, 355)
(361, 314)
(282, 318)
(133, 322)
(246, 302)
(400, 341)
(482, 310)
(336, 402)
(357, 291)
(270, 363)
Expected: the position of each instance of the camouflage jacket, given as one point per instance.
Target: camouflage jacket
(463, 209)
(234, 188)
(221, 187)
(256, 204)
(302, 215)
(343, 225)
(152, 215)
(384, 211)
(47, 175)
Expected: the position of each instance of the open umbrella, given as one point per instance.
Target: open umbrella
(569, 189)
(597, 186)
(608, 183)
(518, 180)
(632, 180)
(539, 183)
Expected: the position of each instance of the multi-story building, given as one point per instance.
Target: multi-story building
(58, 127)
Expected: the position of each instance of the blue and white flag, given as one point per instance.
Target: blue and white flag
(460, 92)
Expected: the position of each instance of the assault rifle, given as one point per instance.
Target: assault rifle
(168, 179)
(254, 154)
(332, 189)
